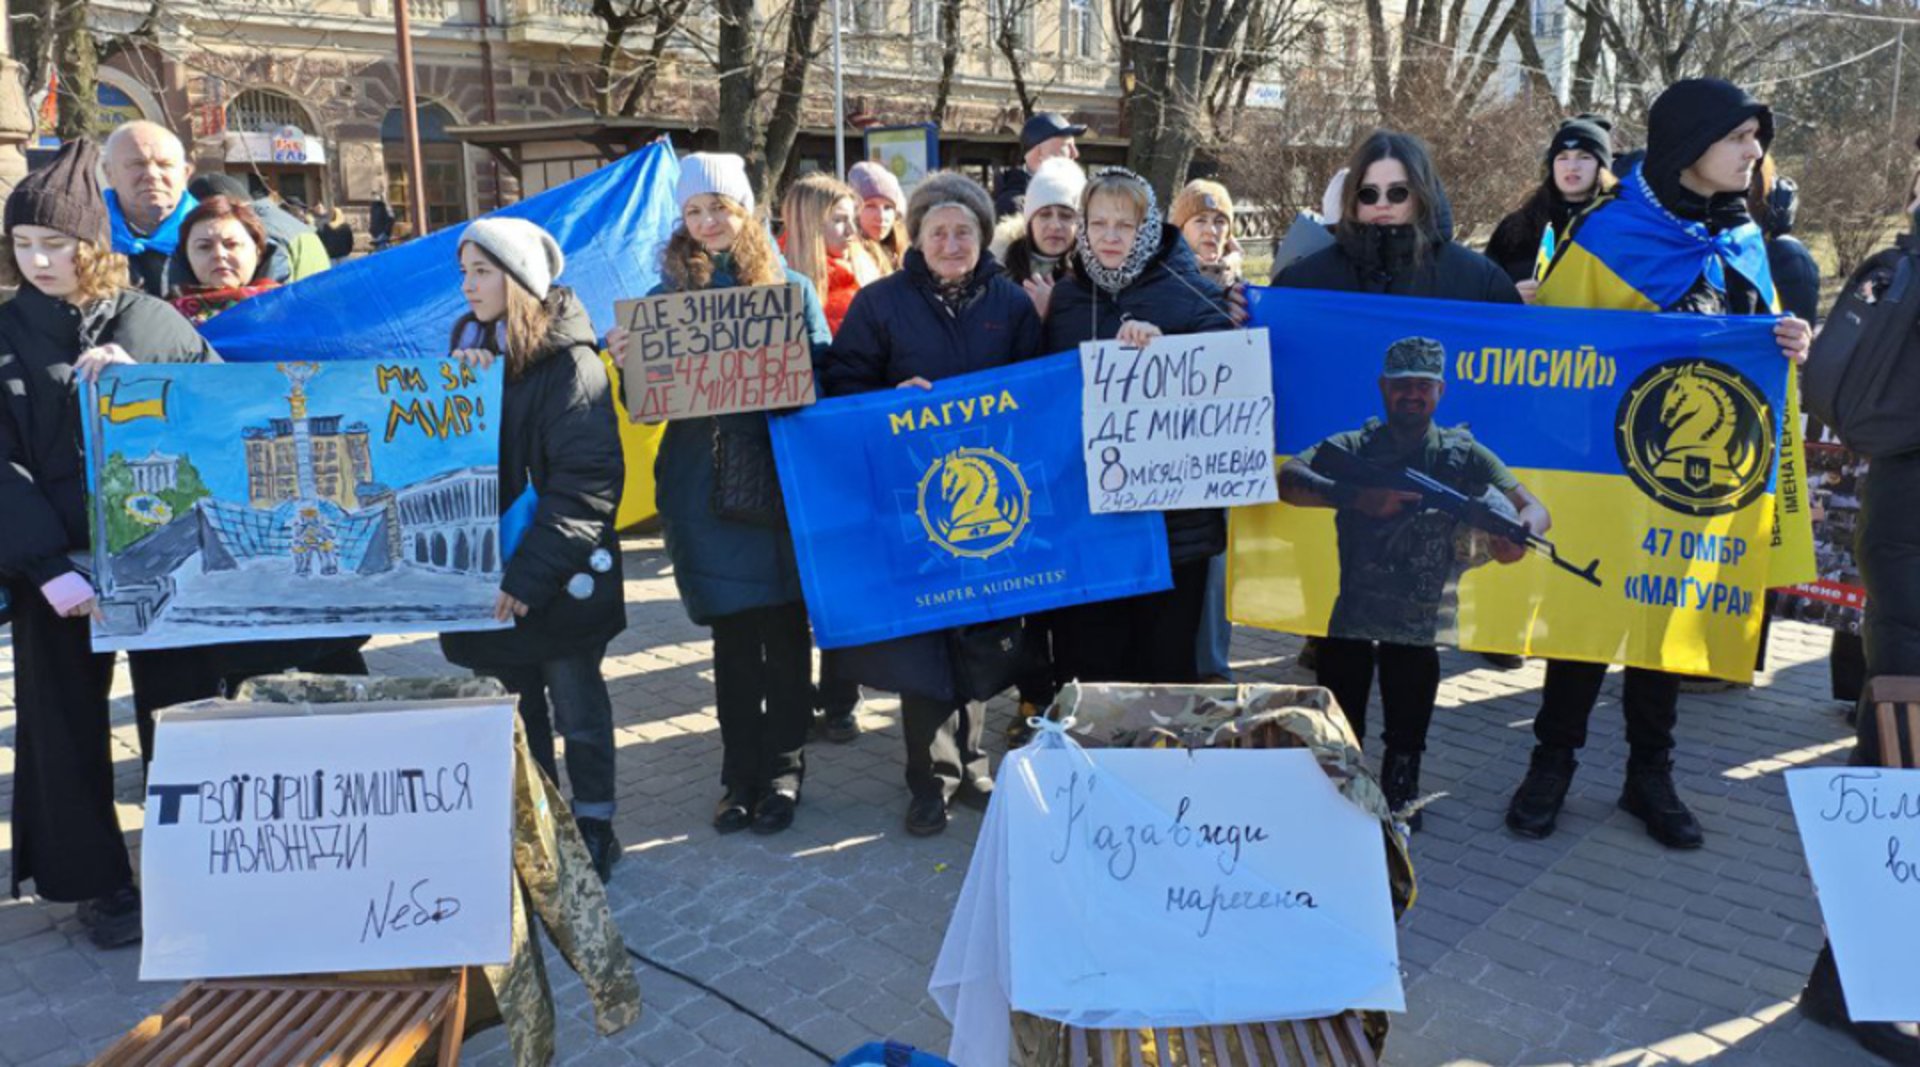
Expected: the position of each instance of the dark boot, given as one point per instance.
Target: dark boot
(1535, 807)
(775, 812)
(1823, 1002)
(1400, 781)
(113, 920)
(926, 816)
(602, 847)
(735, 810)
(1650, 797)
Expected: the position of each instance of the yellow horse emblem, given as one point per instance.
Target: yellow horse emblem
(974, 502)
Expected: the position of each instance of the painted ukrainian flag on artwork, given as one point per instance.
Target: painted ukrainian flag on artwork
(125, 400)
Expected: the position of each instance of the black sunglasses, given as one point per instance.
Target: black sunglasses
(1397, 194)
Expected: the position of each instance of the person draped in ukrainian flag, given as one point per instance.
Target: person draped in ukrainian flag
(1674, 236)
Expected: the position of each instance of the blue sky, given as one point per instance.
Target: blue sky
(209, 405)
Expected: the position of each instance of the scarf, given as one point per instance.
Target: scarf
(1040, 266)
(202, 302)
(164, 239)
(952, 292)
(1635, 253)
(1146, 242)
(488, 335)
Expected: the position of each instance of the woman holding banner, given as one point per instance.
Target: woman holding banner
(725, 525)
(561, 469)
(71, 319)
(1133, 279)
(1393, 238)
(949, 311)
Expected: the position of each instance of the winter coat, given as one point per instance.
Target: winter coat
(337, 240)
(1796, 277)
(722, 565)
(1010, 191)
(1174, 295)
(1382, 261)
(42, 470)
(558, 431)
(1515, 244)
(898, 329)
(842, 284)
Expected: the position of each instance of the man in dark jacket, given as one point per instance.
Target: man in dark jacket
(1045, 136)
(147, 171)
(1705, 137)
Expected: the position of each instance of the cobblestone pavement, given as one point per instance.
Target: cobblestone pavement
(1595, 946)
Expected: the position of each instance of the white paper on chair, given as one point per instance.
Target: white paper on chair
(1860, 827)
(290, 839)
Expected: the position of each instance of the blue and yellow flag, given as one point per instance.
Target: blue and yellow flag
(916, 510)
(1650, 441)
(126, 399)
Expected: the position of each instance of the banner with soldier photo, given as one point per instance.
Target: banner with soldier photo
(1588, 485)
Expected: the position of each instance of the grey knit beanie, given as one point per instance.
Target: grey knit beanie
(949, 187)
(523, 250)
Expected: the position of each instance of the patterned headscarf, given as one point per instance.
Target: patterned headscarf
(1146, 240)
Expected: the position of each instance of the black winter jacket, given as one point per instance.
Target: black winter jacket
(1796, 277)
(1174, 295)
(1010, 191)
(897, 329)
(1382, 260)
(42, 469)
(558, 429)
(1515, 244)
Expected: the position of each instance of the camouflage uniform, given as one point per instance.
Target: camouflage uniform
(1221, 716)
(554, 873)
(1394, 573)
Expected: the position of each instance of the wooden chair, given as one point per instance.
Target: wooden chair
(1894, 701)
(1337, 1041)
(299, 1022)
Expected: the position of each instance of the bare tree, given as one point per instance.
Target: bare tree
(949, 58)
(744, 58)
(655, 21)
(1013, 20)
(1180, 54)
(1437, 57)
(1659, 42)
(52, 38)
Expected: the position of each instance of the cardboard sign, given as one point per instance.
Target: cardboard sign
(1189, 888)
(1186, 422)
(717, 351)
(349, 837)
(1860, 827)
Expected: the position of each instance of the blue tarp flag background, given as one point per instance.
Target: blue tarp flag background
(916, 510)
(401, 303)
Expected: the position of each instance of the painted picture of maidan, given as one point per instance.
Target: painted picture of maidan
(1418, 503)
(1835, 478)
(276, 500)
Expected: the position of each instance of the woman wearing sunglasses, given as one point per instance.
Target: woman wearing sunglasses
(1395, 236)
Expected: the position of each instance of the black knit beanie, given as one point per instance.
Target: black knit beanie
(1690, 116)
(64, 195)
(1588, 133)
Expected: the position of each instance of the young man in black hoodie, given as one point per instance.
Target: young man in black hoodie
(1704, 139)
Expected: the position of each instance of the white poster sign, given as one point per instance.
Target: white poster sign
(1186, 422)
(294, 839)
(1860, 827)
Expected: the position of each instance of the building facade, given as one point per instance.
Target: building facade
(339, 457)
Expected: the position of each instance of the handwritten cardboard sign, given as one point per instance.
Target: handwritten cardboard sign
(289, 840)
(1186, 422)
(717, 351)
(1860, 827)
(1188, 888)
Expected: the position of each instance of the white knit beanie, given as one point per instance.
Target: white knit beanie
(1057, 183)
(719, 173)
(523, 250)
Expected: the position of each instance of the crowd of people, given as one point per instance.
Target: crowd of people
(900, 292)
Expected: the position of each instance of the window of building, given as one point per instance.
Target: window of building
(926, 22)
(266, 111)
(866, 16)
(1083, 29)
(443, 164)
(1021, 12)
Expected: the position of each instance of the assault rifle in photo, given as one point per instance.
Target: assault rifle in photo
(1335, 462)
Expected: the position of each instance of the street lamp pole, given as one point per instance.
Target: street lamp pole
(416, 188)
(839, 101)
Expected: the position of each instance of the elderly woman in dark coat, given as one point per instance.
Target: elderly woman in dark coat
(1133, 278)
(71, 319)
(949, 310)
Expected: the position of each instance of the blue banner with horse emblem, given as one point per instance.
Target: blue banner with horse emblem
(916, 510)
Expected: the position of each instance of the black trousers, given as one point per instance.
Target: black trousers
(1146, 639)
(66, 836)
(1409, 684)
(943, 745)
(1847, 666)
(763, 686)
(164, 677)
(1650, 699)
(834, 696)
(1036, 684)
